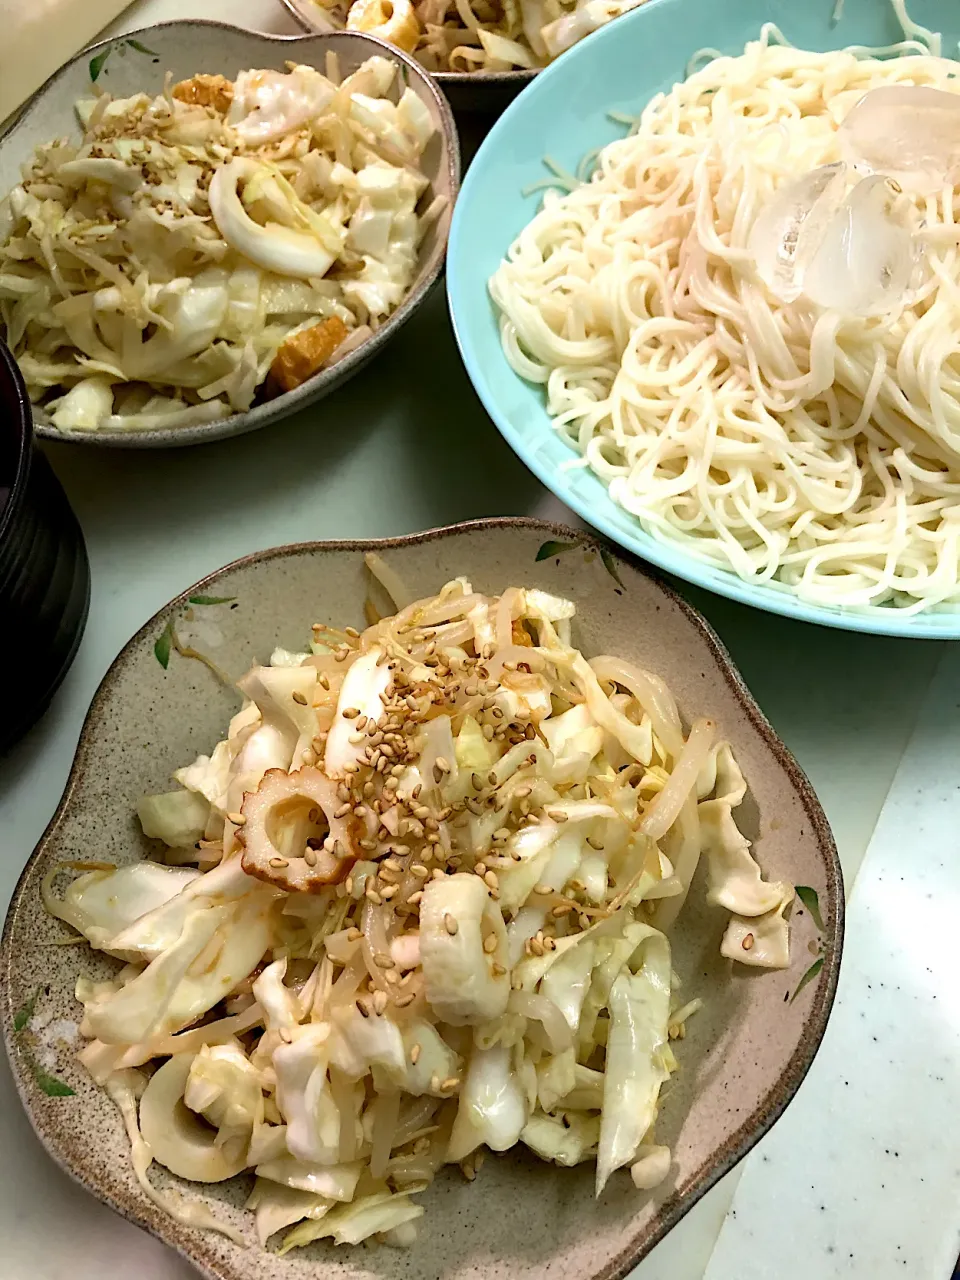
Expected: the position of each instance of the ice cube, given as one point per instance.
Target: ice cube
(910, 133)
(867, 254)
(788, 231)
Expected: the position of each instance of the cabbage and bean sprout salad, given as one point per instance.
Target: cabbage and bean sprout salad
(415, 906)
(220, 241)
(471, 35)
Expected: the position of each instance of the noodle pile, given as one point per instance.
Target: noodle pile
(795, 445)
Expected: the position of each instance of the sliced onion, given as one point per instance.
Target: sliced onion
(538, 1008)
(386, 1112)
(279, 249)
(651, 693)
(666, 806)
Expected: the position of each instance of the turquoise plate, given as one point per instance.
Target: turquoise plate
(564, 114)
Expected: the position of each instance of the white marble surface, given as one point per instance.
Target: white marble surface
(861, 1177)
(396, 451)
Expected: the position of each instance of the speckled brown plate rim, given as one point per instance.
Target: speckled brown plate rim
(752, 1129)
(327, 380)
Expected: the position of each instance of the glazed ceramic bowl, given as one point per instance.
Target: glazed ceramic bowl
(573, 108)
(44, 574)
(483, 92)
(743, 1056)
(139, 62)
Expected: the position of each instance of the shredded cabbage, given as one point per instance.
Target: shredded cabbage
(192, 249)
(452, 35)
(433, 917)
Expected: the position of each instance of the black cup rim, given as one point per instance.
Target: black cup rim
(13, 397)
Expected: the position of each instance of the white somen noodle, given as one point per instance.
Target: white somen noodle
(794, 444)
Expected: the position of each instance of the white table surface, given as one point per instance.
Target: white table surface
(354, 466)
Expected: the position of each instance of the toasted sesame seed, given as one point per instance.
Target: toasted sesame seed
(237, 819)
(414, 1053)
(299, 698)
(354, 935)
(583, 921)
(536, 947)
(488, 732)
(383, 961)
(451, 1082)
(491, 881)
(373, 896)
(323, 680)
(498, 970)
(542, 888)
(558, 815)
(352, 632)
(450, 924)
(389, 892)
(561, 909)
(595, 844)
(434, 1084)
(380, 1001)
(348, 885)
(279, 862)
(415, 897)
(748, 942)
(350, 713)
(402, 1001)
(343, 810)
(522, 792)
(310, 857)
(490, 943)
(437, 873)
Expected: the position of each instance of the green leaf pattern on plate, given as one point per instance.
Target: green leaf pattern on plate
(49, 1084)
(811, 900)
(808, 976)
(161, 650)
(101, 59)
(552, 548)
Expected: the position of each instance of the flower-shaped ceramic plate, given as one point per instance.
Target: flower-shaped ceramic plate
(138, 62)
(744, 1054)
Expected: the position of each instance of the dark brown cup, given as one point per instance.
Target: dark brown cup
(44, 571)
